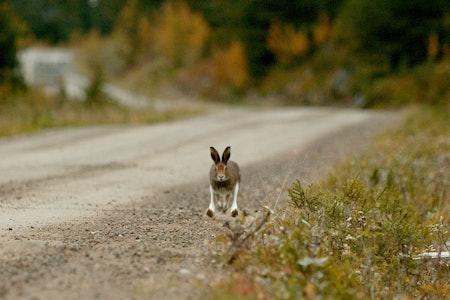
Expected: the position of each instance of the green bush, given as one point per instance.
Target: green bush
(94, 92)
(423, 84)
(390, 31)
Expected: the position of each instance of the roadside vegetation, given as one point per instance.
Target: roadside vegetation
(360, 233)
(32, 111)
(27, 109)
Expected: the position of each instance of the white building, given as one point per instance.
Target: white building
(45, 67)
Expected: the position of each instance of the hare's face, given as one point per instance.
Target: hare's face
(221, 171)
(221, 164)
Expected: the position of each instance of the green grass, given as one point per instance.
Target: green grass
(356, 236)
(24, 112)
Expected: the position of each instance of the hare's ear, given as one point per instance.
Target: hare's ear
(226, 154)
(214, 155)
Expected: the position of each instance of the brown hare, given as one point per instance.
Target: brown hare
(224, 179)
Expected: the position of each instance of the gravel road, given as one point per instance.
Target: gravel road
(118, 212)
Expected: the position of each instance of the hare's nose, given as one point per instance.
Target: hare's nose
(221, 177)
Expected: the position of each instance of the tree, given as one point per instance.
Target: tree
(180, 33)
(393, 31)
(250, 22)
(54, 21)
(8, 57)
(128, 26)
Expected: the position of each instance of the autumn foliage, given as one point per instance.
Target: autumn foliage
(216, 46)
(230, 66)
(286, 42)
(180, 34)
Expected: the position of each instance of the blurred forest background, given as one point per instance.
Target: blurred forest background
(365, 53)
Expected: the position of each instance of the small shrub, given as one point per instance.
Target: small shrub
(94, 92)
(424, 84)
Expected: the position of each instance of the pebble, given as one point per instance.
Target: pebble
(185, 272)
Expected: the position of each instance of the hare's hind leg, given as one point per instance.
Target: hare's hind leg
(211, 209)
(234, 207)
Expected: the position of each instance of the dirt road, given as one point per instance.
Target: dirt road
(118, 212)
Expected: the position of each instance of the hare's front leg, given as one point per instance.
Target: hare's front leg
(234, 207)
(211, 209)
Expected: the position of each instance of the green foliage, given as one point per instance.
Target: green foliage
(249, 21)
(8, 35)
(427, 83)
(383, 30)
(357, 230)
(55, 21)
(94, 93)
(358, 236)
(294, 50)
(257, 16)
(128, 26)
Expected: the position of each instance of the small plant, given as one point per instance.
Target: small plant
(94, 92)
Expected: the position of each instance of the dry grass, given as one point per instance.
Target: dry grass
(32, 111)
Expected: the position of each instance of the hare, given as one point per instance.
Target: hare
(224, 179)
